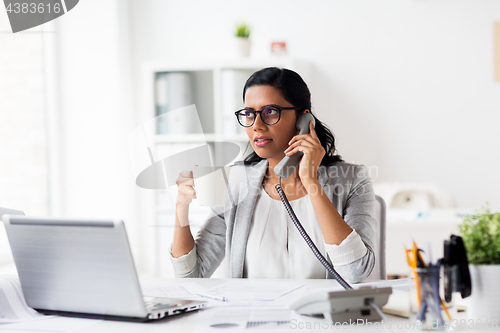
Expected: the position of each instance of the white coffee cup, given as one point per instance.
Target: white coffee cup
(210, 184)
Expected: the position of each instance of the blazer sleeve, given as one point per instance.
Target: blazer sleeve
(359, 214)
(209, 248)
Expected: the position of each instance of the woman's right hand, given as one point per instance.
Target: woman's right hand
(186, 192)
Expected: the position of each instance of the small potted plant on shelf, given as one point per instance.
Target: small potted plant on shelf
(242, 40)
(481, 237)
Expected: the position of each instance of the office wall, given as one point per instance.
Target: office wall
(95, 116)
(23, 144)
(407, 86)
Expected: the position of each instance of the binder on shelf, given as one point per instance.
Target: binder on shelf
(161, 96)
(232, 82)
(174, 90)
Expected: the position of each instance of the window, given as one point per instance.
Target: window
(23, 144)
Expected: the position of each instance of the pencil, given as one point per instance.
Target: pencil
(424, 265)
(413, 266)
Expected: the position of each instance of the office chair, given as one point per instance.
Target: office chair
(378, 272)
(414, 195)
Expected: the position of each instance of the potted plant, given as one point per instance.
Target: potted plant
(242, 40)
(481, 237)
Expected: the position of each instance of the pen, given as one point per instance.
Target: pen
(420, 260)
(437, 301)
(217, 298)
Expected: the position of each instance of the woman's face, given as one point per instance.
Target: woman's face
(272, 139)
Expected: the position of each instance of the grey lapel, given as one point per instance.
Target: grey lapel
(243, 218)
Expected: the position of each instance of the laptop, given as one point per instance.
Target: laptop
(4, 211)
(83, 268)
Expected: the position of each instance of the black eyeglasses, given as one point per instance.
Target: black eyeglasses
(270, 115)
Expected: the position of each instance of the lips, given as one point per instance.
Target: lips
(261, 141)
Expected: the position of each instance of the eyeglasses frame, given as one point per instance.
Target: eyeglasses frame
(255, 112)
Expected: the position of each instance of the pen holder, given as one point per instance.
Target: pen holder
(429, 314)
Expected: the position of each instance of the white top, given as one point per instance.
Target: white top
(275, 248)
(268, 254)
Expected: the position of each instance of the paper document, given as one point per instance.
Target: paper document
(13, 307)
(399, 301)
(256, 294)
(174, 290)
(398, 305)
(398, 286)
(245, 320)
(250, 290)
(17, 316)
(282, 302)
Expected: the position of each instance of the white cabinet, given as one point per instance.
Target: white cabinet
(215, 88)
(428, 228)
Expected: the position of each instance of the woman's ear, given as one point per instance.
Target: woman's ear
(306, 111)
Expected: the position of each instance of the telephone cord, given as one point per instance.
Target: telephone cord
(382, 315)
(308, 240)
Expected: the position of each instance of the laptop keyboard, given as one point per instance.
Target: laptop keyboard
(158, 307)
(157, 304)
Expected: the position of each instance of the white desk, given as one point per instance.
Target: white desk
(187, 322)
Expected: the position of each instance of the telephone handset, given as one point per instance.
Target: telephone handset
(338, 306)
(287, 165)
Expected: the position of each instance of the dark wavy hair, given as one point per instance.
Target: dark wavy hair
(295, 92)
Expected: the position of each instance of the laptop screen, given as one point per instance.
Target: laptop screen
(75, 265)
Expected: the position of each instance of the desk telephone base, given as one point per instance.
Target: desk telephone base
(345, 305)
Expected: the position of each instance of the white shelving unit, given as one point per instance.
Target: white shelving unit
(211, 92)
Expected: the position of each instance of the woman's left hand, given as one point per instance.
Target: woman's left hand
(313, 151)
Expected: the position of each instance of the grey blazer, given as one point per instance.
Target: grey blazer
(225, 233)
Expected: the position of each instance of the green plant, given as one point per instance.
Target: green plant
(481, 236)
(242, 30)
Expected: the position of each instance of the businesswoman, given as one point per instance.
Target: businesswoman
(333, 200)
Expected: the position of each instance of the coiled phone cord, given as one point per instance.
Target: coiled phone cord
(308, 240)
